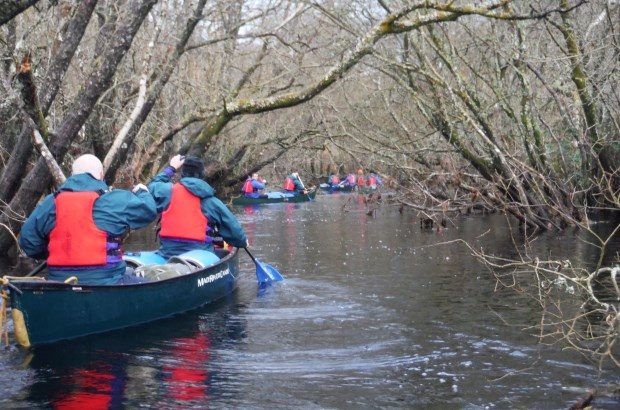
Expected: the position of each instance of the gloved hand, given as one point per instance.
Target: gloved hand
(139, 187)
(177, 161)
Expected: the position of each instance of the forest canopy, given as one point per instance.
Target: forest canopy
(512, 104)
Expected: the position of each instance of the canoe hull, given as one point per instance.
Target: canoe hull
(336, 188)
(243, 200)
(54, 311)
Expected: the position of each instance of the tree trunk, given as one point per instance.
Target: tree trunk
(52, 165)
(15, 169)
(11, 8)
(118, 152)
(581, 80)
(39, 178)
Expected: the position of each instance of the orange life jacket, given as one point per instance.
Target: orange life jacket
(335, 180)
(183, 219)
(289, 185)
(372, 181)
(247, 186)
(76, 240)
(361, 181)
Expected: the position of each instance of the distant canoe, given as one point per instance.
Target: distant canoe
(244, 200)
(336, 188)
(47, 311)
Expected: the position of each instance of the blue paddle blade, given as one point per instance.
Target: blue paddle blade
(266, 273)
(277, 277)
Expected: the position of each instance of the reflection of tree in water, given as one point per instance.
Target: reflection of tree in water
(163, 363)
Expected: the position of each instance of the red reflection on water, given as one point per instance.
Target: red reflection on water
(94, 390)
(103, 386)
(187, 379)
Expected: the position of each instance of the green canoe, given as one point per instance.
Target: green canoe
(46, 311)
(244, 200)
(336, 188)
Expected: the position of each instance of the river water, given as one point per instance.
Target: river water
(371, 315)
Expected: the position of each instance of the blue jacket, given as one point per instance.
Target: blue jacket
(216, 212)
(257, 186)
(114, 211)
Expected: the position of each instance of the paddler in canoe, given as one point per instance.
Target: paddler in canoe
(293, 184)
(79, 229)
(374, 181)
(188, 207)
(361, 180)
(334, 181)
(350, 181)
(253, 186)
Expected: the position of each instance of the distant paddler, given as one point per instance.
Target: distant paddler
(293, 184)
(253, 185)
(374, 181)
(333, 180)
(349, 181)
(361, 179)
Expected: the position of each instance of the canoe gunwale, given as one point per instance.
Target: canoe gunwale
(345, 189)
(29, 284)
(243, 200)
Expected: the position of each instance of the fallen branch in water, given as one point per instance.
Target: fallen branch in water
(583, 403)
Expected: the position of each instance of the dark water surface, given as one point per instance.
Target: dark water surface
(369, 316)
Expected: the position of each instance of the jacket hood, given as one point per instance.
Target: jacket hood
(83, 182)
(197, 187)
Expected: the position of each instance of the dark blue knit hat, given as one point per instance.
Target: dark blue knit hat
(193, 167)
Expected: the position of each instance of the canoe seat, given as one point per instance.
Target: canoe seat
(197, 259)
(154, 267)
(136, 259)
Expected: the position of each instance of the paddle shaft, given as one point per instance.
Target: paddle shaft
(302, 182)
(251, 256)
(38, 269)
(304, 186)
